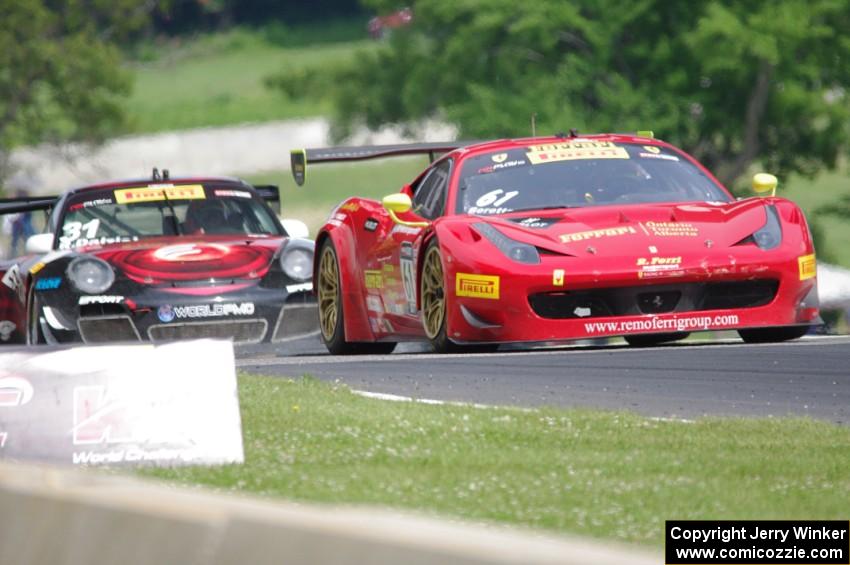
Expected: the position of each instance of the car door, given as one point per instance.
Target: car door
(400, 250)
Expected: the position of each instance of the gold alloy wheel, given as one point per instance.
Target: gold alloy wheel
(328, 293)
(433, 293)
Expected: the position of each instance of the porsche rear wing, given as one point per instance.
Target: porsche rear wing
(26, 204)
(270, 193)
(300, 157)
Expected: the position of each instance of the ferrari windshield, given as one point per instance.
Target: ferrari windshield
(127, 214)
(580, 173)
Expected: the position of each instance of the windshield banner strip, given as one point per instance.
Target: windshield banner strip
(153, 193)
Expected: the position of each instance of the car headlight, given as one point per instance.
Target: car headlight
(514, 250)
(297, 264)
(770, 234)
(90, 274)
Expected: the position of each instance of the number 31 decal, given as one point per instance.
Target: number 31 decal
(72, 231)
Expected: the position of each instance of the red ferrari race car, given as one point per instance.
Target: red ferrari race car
(159, 259)
(558, 238)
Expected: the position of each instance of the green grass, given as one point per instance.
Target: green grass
(214, 80)
(811, 194)
(329, 184)
(604, 474)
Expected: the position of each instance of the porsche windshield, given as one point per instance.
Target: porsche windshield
(129, 214)
(580, 173)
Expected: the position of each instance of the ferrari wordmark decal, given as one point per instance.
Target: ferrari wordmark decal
(596, 234)
(477, 286)
(808, 267)
(573, 150)
(152, 193)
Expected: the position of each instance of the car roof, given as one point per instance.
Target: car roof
(522, 142)
(149, 181)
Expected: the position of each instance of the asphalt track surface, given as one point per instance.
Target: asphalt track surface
(808, 377)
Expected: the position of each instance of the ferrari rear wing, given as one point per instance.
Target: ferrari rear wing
(300, 157)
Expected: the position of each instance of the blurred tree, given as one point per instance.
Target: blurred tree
(840, 208)
(60, 71)
(730, 81)
(194, 15)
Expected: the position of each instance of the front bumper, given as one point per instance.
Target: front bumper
(249, 315)
(564, 299)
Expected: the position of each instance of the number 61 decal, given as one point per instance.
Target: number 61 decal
(492, 198)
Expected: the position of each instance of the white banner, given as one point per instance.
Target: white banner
(172, 404)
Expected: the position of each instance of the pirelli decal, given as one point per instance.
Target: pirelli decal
(477, 286)
(808, 267)
(573, 150)
(160, 192)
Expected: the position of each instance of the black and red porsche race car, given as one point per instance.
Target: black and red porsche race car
(558, 238)
(159, 259)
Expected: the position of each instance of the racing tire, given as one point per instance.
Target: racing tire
(331, 315)
(649, 340)
(772, 335)
(433, 299)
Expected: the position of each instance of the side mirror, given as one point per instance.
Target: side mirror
(399, 203)
(295, 228)
(39, 244)
(764, 183)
